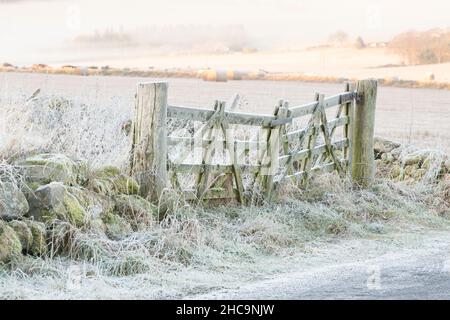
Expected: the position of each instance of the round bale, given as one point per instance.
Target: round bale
(215, 75)
(430, 77)
(234, 75)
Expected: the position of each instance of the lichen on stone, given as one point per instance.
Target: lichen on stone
(53, 167)
(74, 212)
(116, 227)
(55, 201)
(10, 246)
(39, 245)
(13, 203)
(138, 211)
(23, 233)
(110, 181)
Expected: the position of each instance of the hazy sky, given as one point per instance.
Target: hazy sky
(29, 24)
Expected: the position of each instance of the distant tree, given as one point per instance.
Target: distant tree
(360, 44)
(428, 56)
(432, 46)
(338, 38)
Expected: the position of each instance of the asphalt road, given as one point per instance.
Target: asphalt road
(421, 271)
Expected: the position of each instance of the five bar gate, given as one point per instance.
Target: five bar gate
(282, 150)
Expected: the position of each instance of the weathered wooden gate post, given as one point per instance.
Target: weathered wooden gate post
(362, 159)
(149, 146)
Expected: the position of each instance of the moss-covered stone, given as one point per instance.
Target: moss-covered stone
(23, 233)
(116, 227)
(109, 171)
(33, 186)
(13, 203)
(110, 181)
(419, 173)
(54, 201)
(395, 171)
(415, 158)
(93, 203)
(51, 167)
(126, 185)
(10, 246)
(136, 210)
(39, 244)
(46, 203)
(387, 158)
(381, 145)
(74, 212)
(426, 164)
(409, 170)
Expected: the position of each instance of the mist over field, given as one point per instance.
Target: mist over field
(248, 149)
(63, 28)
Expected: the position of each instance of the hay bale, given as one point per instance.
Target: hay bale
(200, 73)
(70, 69)
(39, 67)
(430, 77)
(234, 75)
(248, 50)
(392, 79)
(255, 75)
(214, 75)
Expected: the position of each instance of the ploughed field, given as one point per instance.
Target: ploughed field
(417, 116)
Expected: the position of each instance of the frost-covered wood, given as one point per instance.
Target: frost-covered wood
(149, 146)
(281, 150)
(363, 162)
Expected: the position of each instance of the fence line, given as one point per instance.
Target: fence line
(283, 152)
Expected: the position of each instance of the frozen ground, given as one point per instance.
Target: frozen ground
(411, 266)
(402, 266)
(224, 258)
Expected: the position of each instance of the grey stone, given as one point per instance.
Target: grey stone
(13, 203)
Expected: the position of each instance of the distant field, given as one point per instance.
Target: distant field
(322, 62)
(417, 116)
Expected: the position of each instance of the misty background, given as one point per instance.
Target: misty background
(28, 27)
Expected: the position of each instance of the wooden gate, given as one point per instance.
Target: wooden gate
(292, 144)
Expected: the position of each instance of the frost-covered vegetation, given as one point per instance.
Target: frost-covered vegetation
(73, 225)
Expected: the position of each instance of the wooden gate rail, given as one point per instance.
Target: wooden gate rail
(283, 152)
